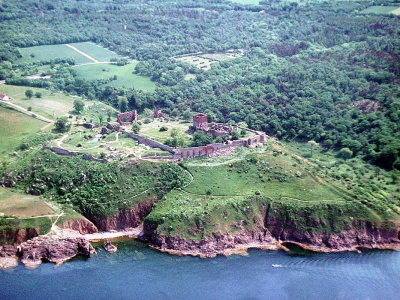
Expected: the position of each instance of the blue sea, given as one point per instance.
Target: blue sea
(138, 272)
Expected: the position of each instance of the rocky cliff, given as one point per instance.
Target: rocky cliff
(82, 225)
(56, 250)
(128, 218)
(276, 235)
(17, 236)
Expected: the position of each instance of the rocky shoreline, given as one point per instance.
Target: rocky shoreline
(74, 236)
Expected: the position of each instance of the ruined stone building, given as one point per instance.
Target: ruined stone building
(200, 122)
(127, 118)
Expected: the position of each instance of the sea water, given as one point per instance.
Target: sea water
(138, 272)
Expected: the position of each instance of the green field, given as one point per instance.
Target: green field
(48, 52)
(382, 10)
(14, 128)
(275, 176)
(152, 130)
(124, 74)
(97, 52)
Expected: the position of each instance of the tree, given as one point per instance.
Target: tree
(235, 135)
(101, 118)
(29, 94)
(136, 128)
(187, 115)
(109, 113)
(79, 105)
(312, 145)
(62, 124)
(123, 104)
(345, 153)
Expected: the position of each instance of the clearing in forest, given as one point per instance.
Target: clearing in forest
(121, 75)
(87, 53)
(204, 61)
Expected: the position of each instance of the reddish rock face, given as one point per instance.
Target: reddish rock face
(274, 236)
(55, 250)
(126, 218)
(83, 225)
(17, 236)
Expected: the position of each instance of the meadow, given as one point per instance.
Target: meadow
(152, 130)
(14, 128)
(125, 76)
(22, 205)
(275, 175)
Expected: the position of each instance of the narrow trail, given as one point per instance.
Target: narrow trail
(83, 53)
(27, 112)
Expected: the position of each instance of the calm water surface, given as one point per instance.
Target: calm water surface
(137, 272)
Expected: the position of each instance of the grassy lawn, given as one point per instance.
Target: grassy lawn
(14, 128)
(124, 74)
(48, 52)
(21, 205)
(97, 52)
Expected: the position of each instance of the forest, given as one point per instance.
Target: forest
(309, 70)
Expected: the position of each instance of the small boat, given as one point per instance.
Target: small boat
(276, 265)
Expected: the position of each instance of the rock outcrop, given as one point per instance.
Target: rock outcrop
(17, 236)
(360, 234)
(56, 250)
(82, 225)
(129, 218)
(110, 247)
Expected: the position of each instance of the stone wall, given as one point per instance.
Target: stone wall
(211, 148)
(60, 151)
(149, 142)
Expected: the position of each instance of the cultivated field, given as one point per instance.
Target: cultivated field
(48, 52)
(14, 128)
(125, 76)
(382, 10)
(204, 61)
(97, 52)
(201, 63)
(21, 205)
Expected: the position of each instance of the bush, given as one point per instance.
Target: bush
(38, 95)
(147, 121)
(164, 128)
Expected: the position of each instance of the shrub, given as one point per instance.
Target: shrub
(164, 128)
